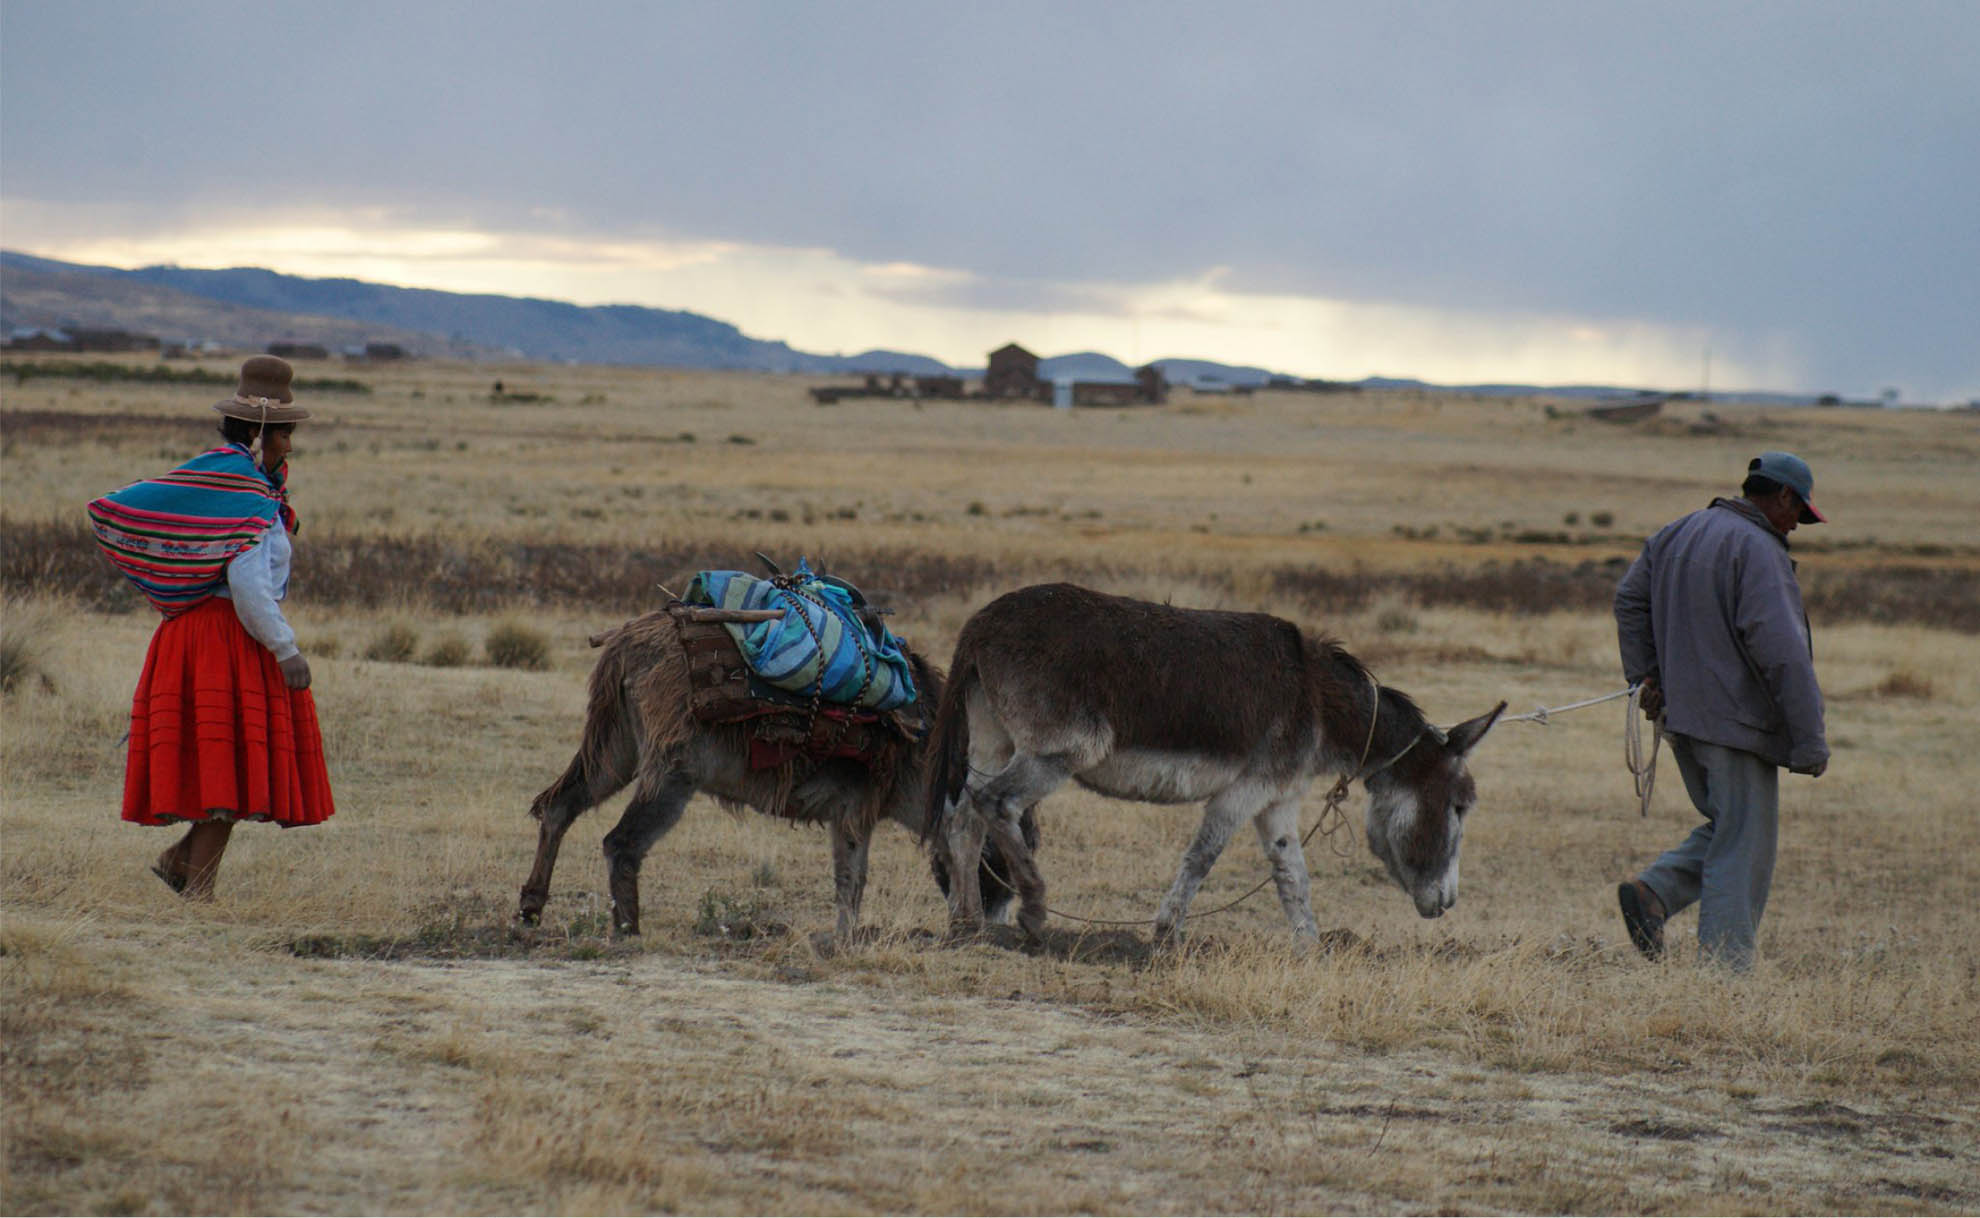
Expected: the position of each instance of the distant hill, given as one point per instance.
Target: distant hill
(517, 326)
(1084, 366)
(247, 308)
(895, 361)
(39, 293)
(1203, 371)
(1096, 366)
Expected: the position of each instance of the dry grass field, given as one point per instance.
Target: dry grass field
(355, 1026)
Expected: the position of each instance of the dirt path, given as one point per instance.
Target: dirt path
(644, 1083)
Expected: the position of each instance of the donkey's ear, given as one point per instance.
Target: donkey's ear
(1465, 736)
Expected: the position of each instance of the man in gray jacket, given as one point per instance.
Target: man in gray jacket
(1710, 621)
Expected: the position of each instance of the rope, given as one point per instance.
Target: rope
(1642, 768)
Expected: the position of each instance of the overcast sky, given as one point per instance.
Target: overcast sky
(1762, 195)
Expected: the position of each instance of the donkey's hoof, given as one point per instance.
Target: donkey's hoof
(528, 917)
(965, 931)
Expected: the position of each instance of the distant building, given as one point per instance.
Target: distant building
(39, 338)
(192, 348)
(76, 338)
(1013, 373)
(1148, 388)
(114, 340)
(290, 350)
(374, 352)
(938, 387)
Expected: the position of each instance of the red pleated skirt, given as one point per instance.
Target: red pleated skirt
(214, 730)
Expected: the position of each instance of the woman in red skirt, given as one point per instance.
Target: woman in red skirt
(223, 727)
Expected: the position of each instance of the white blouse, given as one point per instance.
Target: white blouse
(258, 578)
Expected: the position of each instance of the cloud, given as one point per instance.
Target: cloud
(1792, 180)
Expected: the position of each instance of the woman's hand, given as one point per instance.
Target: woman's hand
(295, 671)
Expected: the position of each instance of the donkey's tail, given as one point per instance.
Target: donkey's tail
(608, 751)
(948, 745)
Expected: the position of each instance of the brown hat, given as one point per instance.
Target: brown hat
(263, 393)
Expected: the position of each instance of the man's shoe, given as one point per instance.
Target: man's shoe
(1646, 929)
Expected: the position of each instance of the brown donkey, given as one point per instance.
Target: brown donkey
(1150, 702)
(640, 729)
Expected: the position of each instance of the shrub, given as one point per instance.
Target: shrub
(24, 648)
(1904, 683)
(1396, 621)
(105, 370)
(449, 652)
(395, 644)
(514, 645)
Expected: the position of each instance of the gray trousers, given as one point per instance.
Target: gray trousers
(1727, 864)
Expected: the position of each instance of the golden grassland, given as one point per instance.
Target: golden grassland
(355, 1026)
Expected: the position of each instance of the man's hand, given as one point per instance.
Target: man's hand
(1650, 696)
(295, 671)
(1813, 771)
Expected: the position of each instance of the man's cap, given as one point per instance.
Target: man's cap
(1792, 472)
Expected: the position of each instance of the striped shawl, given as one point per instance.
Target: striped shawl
(174, 535)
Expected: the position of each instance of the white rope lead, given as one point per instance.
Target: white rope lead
(1540, 713)
(1642, 768)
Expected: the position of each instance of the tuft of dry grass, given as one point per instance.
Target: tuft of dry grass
(449, 651)
(514, 645)
(1904, 683)
(25, 628)
(394, 643)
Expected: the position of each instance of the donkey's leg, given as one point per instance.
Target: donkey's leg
(964, 825)
(1006, 832)
(849, 851)
(995, 875)
(1278, 833)
(1001, 804)
(656, 807)
(1220, 818)
(962, 835)
(593, 776)
(549, 836)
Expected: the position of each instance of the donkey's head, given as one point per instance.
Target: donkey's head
(1417, 803)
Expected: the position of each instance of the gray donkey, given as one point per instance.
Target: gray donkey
(640, 729)
(1149, 702)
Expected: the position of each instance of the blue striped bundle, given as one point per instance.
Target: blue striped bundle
(819, 645)
(174, 535)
